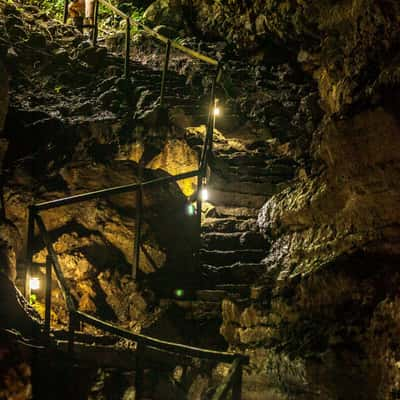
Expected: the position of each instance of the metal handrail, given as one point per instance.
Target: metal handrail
(191, 351)
(132, 187)
(233, 381)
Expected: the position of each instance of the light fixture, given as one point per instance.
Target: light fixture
(34, 283)
(179, 293)
(217, 110)
(204, 194)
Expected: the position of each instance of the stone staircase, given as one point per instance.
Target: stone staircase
(242, 178)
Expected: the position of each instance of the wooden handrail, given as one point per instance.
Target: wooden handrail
(183, 49)
(113, 8)
(161, 38)
(194, 352)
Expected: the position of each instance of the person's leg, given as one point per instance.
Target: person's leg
(76, 10)
(89, 11)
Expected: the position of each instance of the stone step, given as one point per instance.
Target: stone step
(233, 240)
(237, 273)
(270, 172)
(234, 200)
(241, 159)
(221, 241)
(238, 184)
(227, 224)
(221, 225)
(240, 289)
(211, 295)
(237, 212)
(229, 257)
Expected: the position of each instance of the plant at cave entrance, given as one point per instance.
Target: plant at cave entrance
(52, 7)
(56, 8)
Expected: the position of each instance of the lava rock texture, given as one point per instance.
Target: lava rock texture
(332, 269)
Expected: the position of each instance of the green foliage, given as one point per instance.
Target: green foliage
(107, 19)
(56, 8)
(181, 41)
(52, 7)
(32, 299)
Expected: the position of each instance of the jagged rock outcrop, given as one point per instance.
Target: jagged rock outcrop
(333, 232)
(348, 46)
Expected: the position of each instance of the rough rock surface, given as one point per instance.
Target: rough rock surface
(320, 314)
(311, 327)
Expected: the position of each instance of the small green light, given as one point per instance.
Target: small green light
(190, 210)
(179, 292)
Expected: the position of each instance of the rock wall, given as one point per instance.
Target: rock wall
(349, 46)
(322, 321)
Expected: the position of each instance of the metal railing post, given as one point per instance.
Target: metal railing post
(164, 72)
(199, 205)
(139, 218)
(47, 314)
(71, 332)
(65, 16)
(95, 30)
(237, 383)
(127, 47)
(139, 371)
(213, 104)
(138, 233)
(29, 251)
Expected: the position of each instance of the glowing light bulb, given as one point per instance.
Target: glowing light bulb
(34, 283)
(204, 194)
(217, 111)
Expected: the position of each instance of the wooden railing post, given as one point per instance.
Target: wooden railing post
(139, 371)
(237, 383)
(164, 72)
(127, 47)
(95, 30)
(47, 315)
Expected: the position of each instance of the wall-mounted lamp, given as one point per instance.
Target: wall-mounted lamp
(204, 194)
